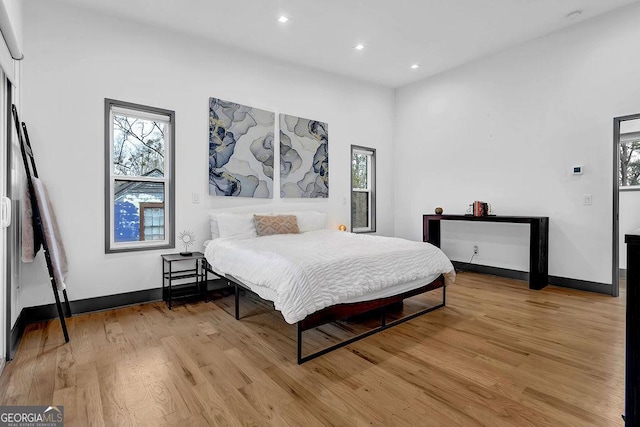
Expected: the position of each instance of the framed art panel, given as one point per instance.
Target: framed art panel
(241, 150)
(304, 158)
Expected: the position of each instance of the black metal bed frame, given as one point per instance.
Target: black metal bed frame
(343, 311)
(38, 230)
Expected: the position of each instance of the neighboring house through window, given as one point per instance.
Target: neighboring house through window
(139, 199)
(363, 189)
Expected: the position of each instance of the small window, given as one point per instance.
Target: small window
(139, 170)
(629, 171)
(363, 189)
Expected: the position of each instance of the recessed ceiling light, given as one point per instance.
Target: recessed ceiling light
(283, 19)
(359, 46)
(414, 66)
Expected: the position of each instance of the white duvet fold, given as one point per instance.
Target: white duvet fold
(304, 273)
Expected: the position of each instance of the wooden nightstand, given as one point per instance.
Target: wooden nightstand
(171, 273)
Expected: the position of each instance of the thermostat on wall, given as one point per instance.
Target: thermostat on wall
(577, 170)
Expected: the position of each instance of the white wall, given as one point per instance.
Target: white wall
(74, 59)
(507, 129)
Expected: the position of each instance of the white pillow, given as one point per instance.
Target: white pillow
(213, 224)
(311, 220)
(237, 226)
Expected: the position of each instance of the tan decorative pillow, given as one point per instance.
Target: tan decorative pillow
(276, 224)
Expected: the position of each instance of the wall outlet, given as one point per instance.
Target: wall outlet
(475, 249)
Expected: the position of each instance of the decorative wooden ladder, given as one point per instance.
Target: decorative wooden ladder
(30, 167)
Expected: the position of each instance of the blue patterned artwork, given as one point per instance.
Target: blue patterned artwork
(304, 158)
(241, 150)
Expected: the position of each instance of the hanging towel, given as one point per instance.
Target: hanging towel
(31, 237)
(51, 235)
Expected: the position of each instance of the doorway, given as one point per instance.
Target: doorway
(626, 190)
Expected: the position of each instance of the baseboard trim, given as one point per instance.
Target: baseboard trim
(108, 302)
(16, 334)
(582, 285)
(494, 271)
(565, 282)
(49, 311)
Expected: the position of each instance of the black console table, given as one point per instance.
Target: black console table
(632, 353)
(538, 241)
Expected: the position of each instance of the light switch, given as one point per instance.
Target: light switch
(587, 199)
(195, 197)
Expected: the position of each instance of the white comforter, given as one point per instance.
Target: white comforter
(303, 273)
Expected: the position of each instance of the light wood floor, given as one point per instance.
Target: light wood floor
(498, 354)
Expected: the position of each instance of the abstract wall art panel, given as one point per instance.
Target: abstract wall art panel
(241, 150)
(304, 158)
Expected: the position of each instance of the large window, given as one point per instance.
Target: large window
(139, 169)
(363, 189)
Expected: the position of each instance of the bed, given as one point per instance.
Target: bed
(315, 275)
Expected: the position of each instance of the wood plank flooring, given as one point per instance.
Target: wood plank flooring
(497, 355)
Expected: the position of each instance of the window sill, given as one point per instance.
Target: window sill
(363, 230)
(115, 250)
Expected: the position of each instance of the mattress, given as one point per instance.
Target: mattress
(304, 273)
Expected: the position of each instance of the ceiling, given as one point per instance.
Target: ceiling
(436, 34)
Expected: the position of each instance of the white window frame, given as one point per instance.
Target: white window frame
(371, 187)
(150, 113)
